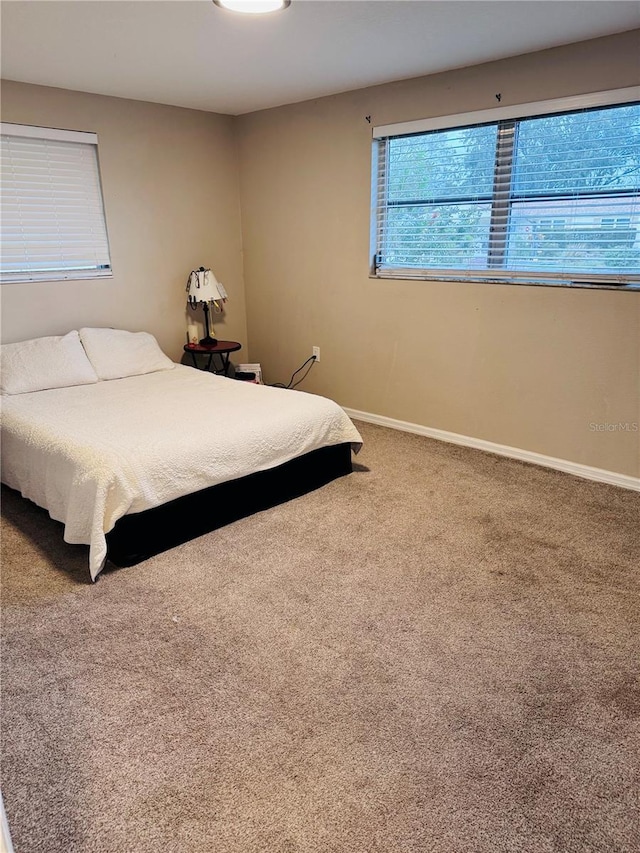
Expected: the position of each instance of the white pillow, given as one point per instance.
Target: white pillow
(115, 353)
(43, 363)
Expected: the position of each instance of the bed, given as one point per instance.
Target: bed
(117, 458)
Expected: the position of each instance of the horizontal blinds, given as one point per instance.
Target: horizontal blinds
(438, 198)
(53, 223)
(554, 196)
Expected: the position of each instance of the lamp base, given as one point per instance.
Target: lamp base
(208, 341)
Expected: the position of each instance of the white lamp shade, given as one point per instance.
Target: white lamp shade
(204, 287)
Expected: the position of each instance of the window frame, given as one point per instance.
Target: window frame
(505, 118)
(61, 274)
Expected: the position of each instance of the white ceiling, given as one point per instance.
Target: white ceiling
(191, 53)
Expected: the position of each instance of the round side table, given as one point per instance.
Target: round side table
(222, 349)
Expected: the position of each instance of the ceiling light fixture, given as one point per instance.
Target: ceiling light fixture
(253, 7)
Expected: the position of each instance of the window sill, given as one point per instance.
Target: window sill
(80, 275)
(573, 285)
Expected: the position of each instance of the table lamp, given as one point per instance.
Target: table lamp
(203, 287)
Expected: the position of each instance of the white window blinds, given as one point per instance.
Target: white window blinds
(53, 221)
(551, 199)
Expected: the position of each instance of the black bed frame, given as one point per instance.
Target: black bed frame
(142, 535)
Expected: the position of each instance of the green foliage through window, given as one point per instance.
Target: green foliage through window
(549, 196)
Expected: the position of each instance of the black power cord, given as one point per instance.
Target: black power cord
(291, 385)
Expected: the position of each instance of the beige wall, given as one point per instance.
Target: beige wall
(529, 367)
(170, 182)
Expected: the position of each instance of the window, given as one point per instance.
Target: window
(618, 222)
(553, 198)
(53, 222)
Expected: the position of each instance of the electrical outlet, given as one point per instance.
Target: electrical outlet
(316, 352)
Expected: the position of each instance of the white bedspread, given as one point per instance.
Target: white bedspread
(91, 454)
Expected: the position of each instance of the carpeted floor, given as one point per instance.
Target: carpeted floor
(438, 653)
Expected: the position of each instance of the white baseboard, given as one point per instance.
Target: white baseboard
(585, 471)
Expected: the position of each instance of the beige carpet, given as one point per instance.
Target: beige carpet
(438, 653)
